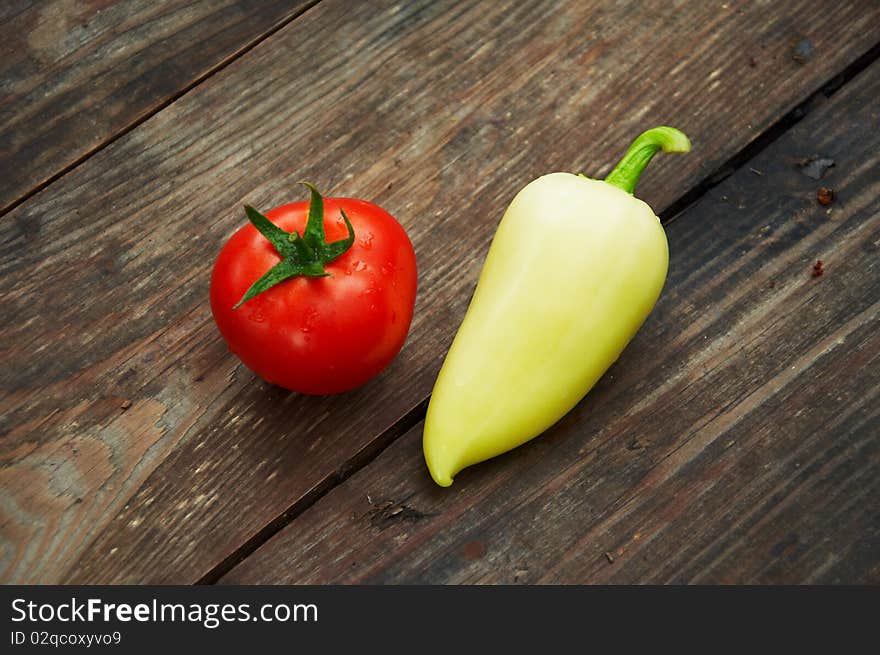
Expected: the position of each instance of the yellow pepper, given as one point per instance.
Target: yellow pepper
(574, 269)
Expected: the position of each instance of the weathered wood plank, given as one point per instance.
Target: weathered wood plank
(736, 440)
(76, 74)
(437, 111)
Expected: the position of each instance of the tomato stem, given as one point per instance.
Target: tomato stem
(628, 171)
(304, 255)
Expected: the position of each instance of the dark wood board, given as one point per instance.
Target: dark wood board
(136, 448)
(75, 74)
(737, 440)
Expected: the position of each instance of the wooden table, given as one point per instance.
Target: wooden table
(737, 440)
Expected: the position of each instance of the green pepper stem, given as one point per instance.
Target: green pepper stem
(628, 171)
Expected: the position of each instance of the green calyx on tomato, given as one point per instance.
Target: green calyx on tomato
(304, 255)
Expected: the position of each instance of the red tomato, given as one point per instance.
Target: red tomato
(319, 335)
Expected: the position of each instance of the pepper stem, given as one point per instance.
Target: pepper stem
(628, 171)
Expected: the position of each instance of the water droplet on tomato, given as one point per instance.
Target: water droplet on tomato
(366, 241)
(358, 266)
(310, 317)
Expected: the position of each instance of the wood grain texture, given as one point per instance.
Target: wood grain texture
(137, 449)
(737, 440)
(75, 74)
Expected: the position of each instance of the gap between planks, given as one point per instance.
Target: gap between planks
(770, 135)
(136, 122)
(415, 415)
